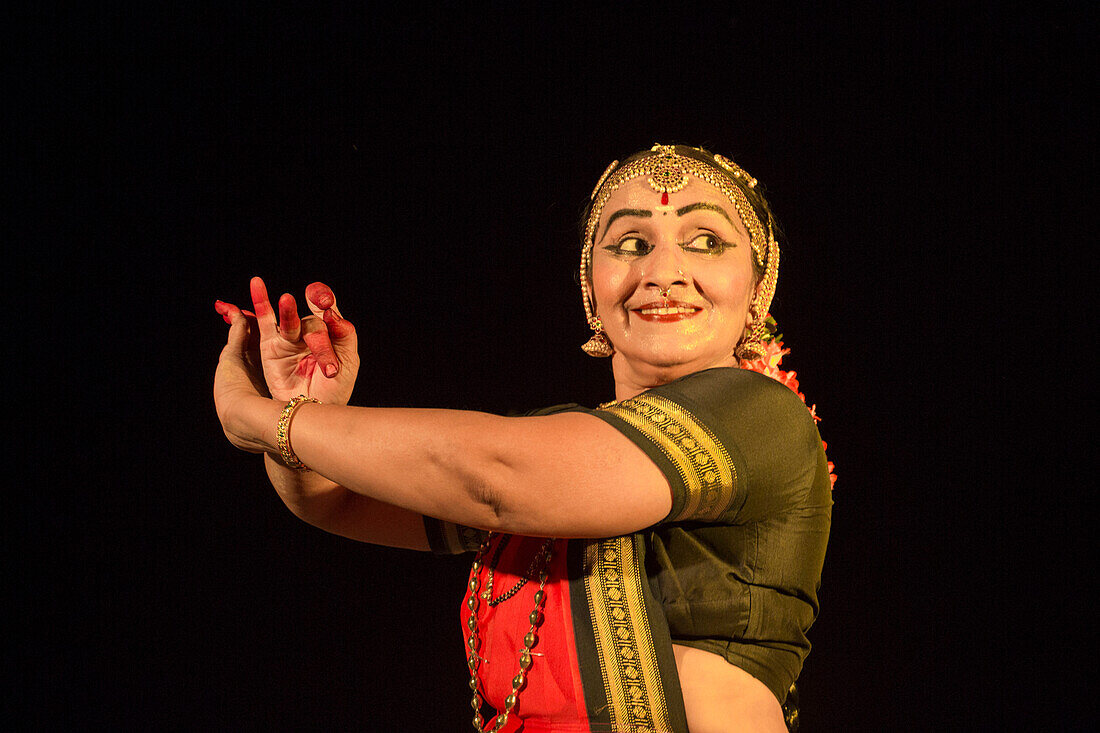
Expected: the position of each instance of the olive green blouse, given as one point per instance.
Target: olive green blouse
(736, 564)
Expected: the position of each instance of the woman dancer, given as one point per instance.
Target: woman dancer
(648, 565)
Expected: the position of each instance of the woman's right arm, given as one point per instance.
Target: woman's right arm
(568, 475)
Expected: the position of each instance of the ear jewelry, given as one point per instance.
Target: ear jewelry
(752, 345)
(597, 346)
(667, 171)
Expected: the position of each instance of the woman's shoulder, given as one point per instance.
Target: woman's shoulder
(712, 396)
(768, 429)
(735, 392)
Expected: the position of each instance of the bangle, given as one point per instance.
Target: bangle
(282, 433)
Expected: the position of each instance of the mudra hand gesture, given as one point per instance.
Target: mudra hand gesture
(316, 356)
(284, 355)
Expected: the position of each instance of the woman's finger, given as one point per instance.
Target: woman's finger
(253, 336)
(248, 349)
(290, 326)
(342, 333)
(254, 360)
(322, 302)
(225, 309)
(315, 334)
(320, 299)
(236, 373)
(265, 314)
(236, 343)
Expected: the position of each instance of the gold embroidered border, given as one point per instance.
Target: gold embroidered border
(628, 660)
(699, 457)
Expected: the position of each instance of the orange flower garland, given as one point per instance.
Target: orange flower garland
(768, 365)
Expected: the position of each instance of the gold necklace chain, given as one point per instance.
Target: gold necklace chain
(487, 594)
(473, 643)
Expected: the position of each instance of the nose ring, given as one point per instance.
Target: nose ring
(664, 293)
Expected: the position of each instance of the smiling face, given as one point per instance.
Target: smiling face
(671, 282)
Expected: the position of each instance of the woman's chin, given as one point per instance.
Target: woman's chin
(671, 361)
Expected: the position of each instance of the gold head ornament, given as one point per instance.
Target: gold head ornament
(667, 170)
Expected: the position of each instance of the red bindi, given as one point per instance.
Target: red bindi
(664, 198)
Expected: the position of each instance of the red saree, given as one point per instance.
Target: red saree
(603, 661)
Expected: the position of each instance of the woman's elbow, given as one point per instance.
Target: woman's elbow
(489, 502)
(485, 494)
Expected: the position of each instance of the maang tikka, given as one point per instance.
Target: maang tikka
(667, 172)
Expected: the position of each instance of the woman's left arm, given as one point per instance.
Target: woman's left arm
(563, 475)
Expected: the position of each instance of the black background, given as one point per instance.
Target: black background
(928, 165)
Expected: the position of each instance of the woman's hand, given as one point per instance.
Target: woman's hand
(316, 356)
(240, 395)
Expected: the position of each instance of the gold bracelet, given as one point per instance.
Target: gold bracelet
(282, 433)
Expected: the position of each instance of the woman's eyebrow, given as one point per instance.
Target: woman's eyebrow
(623, 212)
(708, 207)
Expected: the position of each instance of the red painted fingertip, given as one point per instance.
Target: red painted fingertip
(226, 310)
(320, 295)
(288, 313)
(258, 291)
(329, 370)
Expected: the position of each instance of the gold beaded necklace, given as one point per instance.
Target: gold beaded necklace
(529, 639)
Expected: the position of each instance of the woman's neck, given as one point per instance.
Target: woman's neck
(632, 379)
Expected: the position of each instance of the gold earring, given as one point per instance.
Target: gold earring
(597, 346)
(751, 346)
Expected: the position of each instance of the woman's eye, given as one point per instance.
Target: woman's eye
(631, 246)
(707, 243)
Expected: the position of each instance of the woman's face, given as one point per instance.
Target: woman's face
(672, 284)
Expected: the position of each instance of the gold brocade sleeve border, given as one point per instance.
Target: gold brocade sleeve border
(627, 656)
(700, 459)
